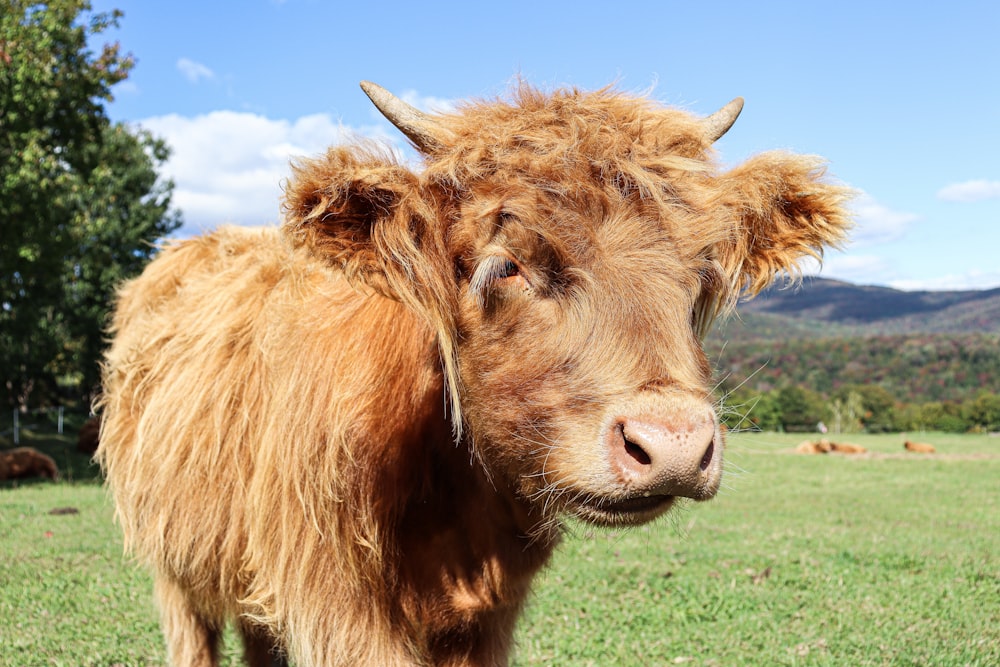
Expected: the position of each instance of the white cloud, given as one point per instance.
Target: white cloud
(877, 223)
(228, 166)
(428, 103)
(974, 279)
(970, 191)
(863, 269)
(194, 71)
(127, 87)
(875, 270)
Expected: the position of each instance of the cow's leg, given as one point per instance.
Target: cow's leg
(191, 640)
(259, 647)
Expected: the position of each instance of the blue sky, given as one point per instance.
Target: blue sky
(903, 99)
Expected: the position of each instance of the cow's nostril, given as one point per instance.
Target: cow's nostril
(634, 450)
(706, 460)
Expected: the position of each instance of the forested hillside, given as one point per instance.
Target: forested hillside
(913, 368)
(887, 359)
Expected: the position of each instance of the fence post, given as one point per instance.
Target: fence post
(60, 429)
(17, 435)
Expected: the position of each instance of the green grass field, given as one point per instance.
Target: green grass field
(880, 559)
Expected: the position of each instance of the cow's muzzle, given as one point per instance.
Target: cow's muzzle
(657, 454)
(671, 457)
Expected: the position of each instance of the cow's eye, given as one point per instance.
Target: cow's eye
(507, 269)
(495, 272)
(508, 272)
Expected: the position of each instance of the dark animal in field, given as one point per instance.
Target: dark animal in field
(919, 447)
(23, 462)
(356, 434)
(89, 436)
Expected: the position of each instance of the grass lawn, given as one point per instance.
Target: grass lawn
(881, 559)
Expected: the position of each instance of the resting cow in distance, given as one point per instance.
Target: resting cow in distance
(919, 447)
(355, 435)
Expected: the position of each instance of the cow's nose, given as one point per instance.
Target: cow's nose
(672, 457)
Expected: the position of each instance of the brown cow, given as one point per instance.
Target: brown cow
(274, 432)
(847, 448)
(919, 447)
(810, 447)
(824, 446)
(26, 462)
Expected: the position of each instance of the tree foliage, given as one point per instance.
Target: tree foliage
(793, 409)
(944, 382)
(80, 199)
(914, 368)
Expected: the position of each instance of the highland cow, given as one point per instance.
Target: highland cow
(825, 446)
(847, 448)
(919, 447)
(810, 447)
(355, 435)
(22, 462)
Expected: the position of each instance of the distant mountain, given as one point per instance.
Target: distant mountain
(818, 307)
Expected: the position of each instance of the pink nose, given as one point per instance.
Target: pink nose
(669, 458)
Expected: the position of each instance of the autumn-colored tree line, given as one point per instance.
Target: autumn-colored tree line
(877, 383)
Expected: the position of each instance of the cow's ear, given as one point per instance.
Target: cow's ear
(784, 210)
(360, 210)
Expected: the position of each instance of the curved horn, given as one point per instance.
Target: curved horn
(719, 122)
(421, 129)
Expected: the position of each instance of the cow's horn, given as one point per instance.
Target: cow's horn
(719, 122)
(421, 129)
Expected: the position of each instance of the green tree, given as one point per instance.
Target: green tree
(936, 416)
(983, 412)
(877, 412)
(80, 201)
(746, 410)
(846, 412)
(801, 409)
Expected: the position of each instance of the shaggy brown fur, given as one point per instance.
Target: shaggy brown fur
(26, 462)
(89, 436)
(919, 447)
(274, 432)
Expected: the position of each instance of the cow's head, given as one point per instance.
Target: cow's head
(571, 250)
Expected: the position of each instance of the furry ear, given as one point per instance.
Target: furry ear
(784, 211)
(362, 212)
